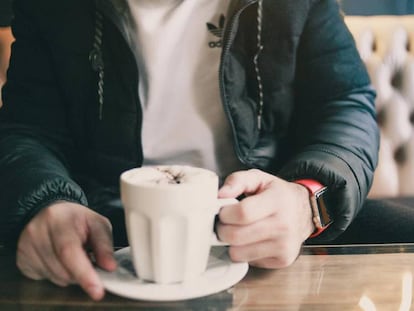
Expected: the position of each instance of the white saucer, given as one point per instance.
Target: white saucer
(221, 274)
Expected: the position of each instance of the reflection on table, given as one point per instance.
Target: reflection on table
(364, 277)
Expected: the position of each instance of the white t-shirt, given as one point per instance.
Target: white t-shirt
(178, 50)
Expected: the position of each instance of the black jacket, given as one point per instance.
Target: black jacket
(318, 108)
(6, 13)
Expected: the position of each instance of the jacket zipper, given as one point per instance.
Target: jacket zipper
(256, 64)
(96, 60)
(228, 38)
(97, 50)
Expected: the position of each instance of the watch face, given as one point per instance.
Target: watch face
(324, 203)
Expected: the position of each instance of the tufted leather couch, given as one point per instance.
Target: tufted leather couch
(386, 45)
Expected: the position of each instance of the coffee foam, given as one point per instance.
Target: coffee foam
(169, 175)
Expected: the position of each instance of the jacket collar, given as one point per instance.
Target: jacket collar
(118, 12)
(120, 7)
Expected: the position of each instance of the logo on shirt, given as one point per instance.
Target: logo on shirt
(217, 31)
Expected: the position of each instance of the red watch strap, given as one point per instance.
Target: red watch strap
(318, 231)
(313, 187)
(311, 184)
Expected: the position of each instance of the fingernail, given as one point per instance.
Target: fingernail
(112, 265)
(225, 188)
(96, 292)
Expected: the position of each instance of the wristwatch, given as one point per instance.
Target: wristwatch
(319, 201)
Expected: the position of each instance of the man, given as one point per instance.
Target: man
(6, 39)
(272, 95)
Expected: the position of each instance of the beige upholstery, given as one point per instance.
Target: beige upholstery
(386, 45)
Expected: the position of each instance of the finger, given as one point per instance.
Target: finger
(46, 262)
(75, 260)
(53, 269)
(45, 251)
(281, 253)
(29, 264)
(267, 263)
(102, 245)
(249, 210)
(43, 266)
(273, 262)
(244, 182)
(32, 252)
(255, 232)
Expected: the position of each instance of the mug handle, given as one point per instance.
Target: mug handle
(221, 202)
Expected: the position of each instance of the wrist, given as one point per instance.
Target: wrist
(318, 205)
(306, 222)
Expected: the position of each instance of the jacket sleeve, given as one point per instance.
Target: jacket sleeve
(336, 131)
(35, 143)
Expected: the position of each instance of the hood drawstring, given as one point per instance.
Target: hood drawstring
(256, 63)
(96, 59)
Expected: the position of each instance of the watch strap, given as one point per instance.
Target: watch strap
(313, 188)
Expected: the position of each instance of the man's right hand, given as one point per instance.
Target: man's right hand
(52, 246)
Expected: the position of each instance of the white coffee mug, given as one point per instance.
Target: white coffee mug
(169, 213)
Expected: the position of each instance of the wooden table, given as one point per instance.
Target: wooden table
(366, 277)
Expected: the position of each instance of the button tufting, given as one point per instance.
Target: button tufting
(385, 44)
(397, 79)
